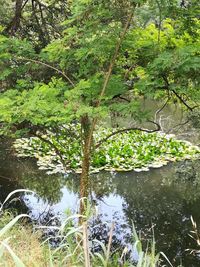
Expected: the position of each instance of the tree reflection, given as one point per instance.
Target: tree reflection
(164, 198)
(152, 199)
(17, 173)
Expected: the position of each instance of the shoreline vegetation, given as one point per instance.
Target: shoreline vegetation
(23, 244)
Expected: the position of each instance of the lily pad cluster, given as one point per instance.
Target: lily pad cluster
(126, 151)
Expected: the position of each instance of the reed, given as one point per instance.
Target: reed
(22, 246)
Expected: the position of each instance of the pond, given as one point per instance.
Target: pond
(163, 199)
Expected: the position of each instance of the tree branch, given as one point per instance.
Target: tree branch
(160, 20)
(52, 145)
(24, 4)
(43, 21)
(183, 101)
(114, 58)
(109, 73)
(161, 108)
(178, 125)
(128, 130)
(122, 98)
(167, 85)
(48, 66)
(15, 23)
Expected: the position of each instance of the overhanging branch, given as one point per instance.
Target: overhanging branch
(167, 86)
(178, 125)
(183, 101)
(124, 130)
(49, 66)
(161, 108)
(56, 149)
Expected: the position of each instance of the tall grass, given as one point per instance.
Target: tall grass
(4, 243)
(74, 247)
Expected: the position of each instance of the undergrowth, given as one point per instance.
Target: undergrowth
(21, 245)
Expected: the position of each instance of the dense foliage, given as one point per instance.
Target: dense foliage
(122, 152)
(61, 80)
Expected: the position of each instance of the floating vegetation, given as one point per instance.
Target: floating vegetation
(133, 150)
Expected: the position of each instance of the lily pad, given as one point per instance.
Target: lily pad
(133, 150)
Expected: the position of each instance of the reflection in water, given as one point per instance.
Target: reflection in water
(164, 198)
(152, 199)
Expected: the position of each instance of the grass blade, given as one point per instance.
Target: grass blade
(14, 192)
(16, 259)
(11, 223)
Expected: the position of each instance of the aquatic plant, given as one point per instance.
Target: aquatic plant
(126, 151)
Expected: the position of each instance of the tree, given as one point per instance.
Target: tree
(105, 60)
(35, 20)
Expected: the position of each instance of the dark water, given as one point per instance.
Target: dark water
(164, 198)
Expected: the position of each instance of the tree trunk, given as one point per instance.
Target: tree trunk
(15, 23)
(86, 148)
(88, 127)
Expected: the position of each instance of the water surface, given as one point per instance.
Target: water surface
(163, 198)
